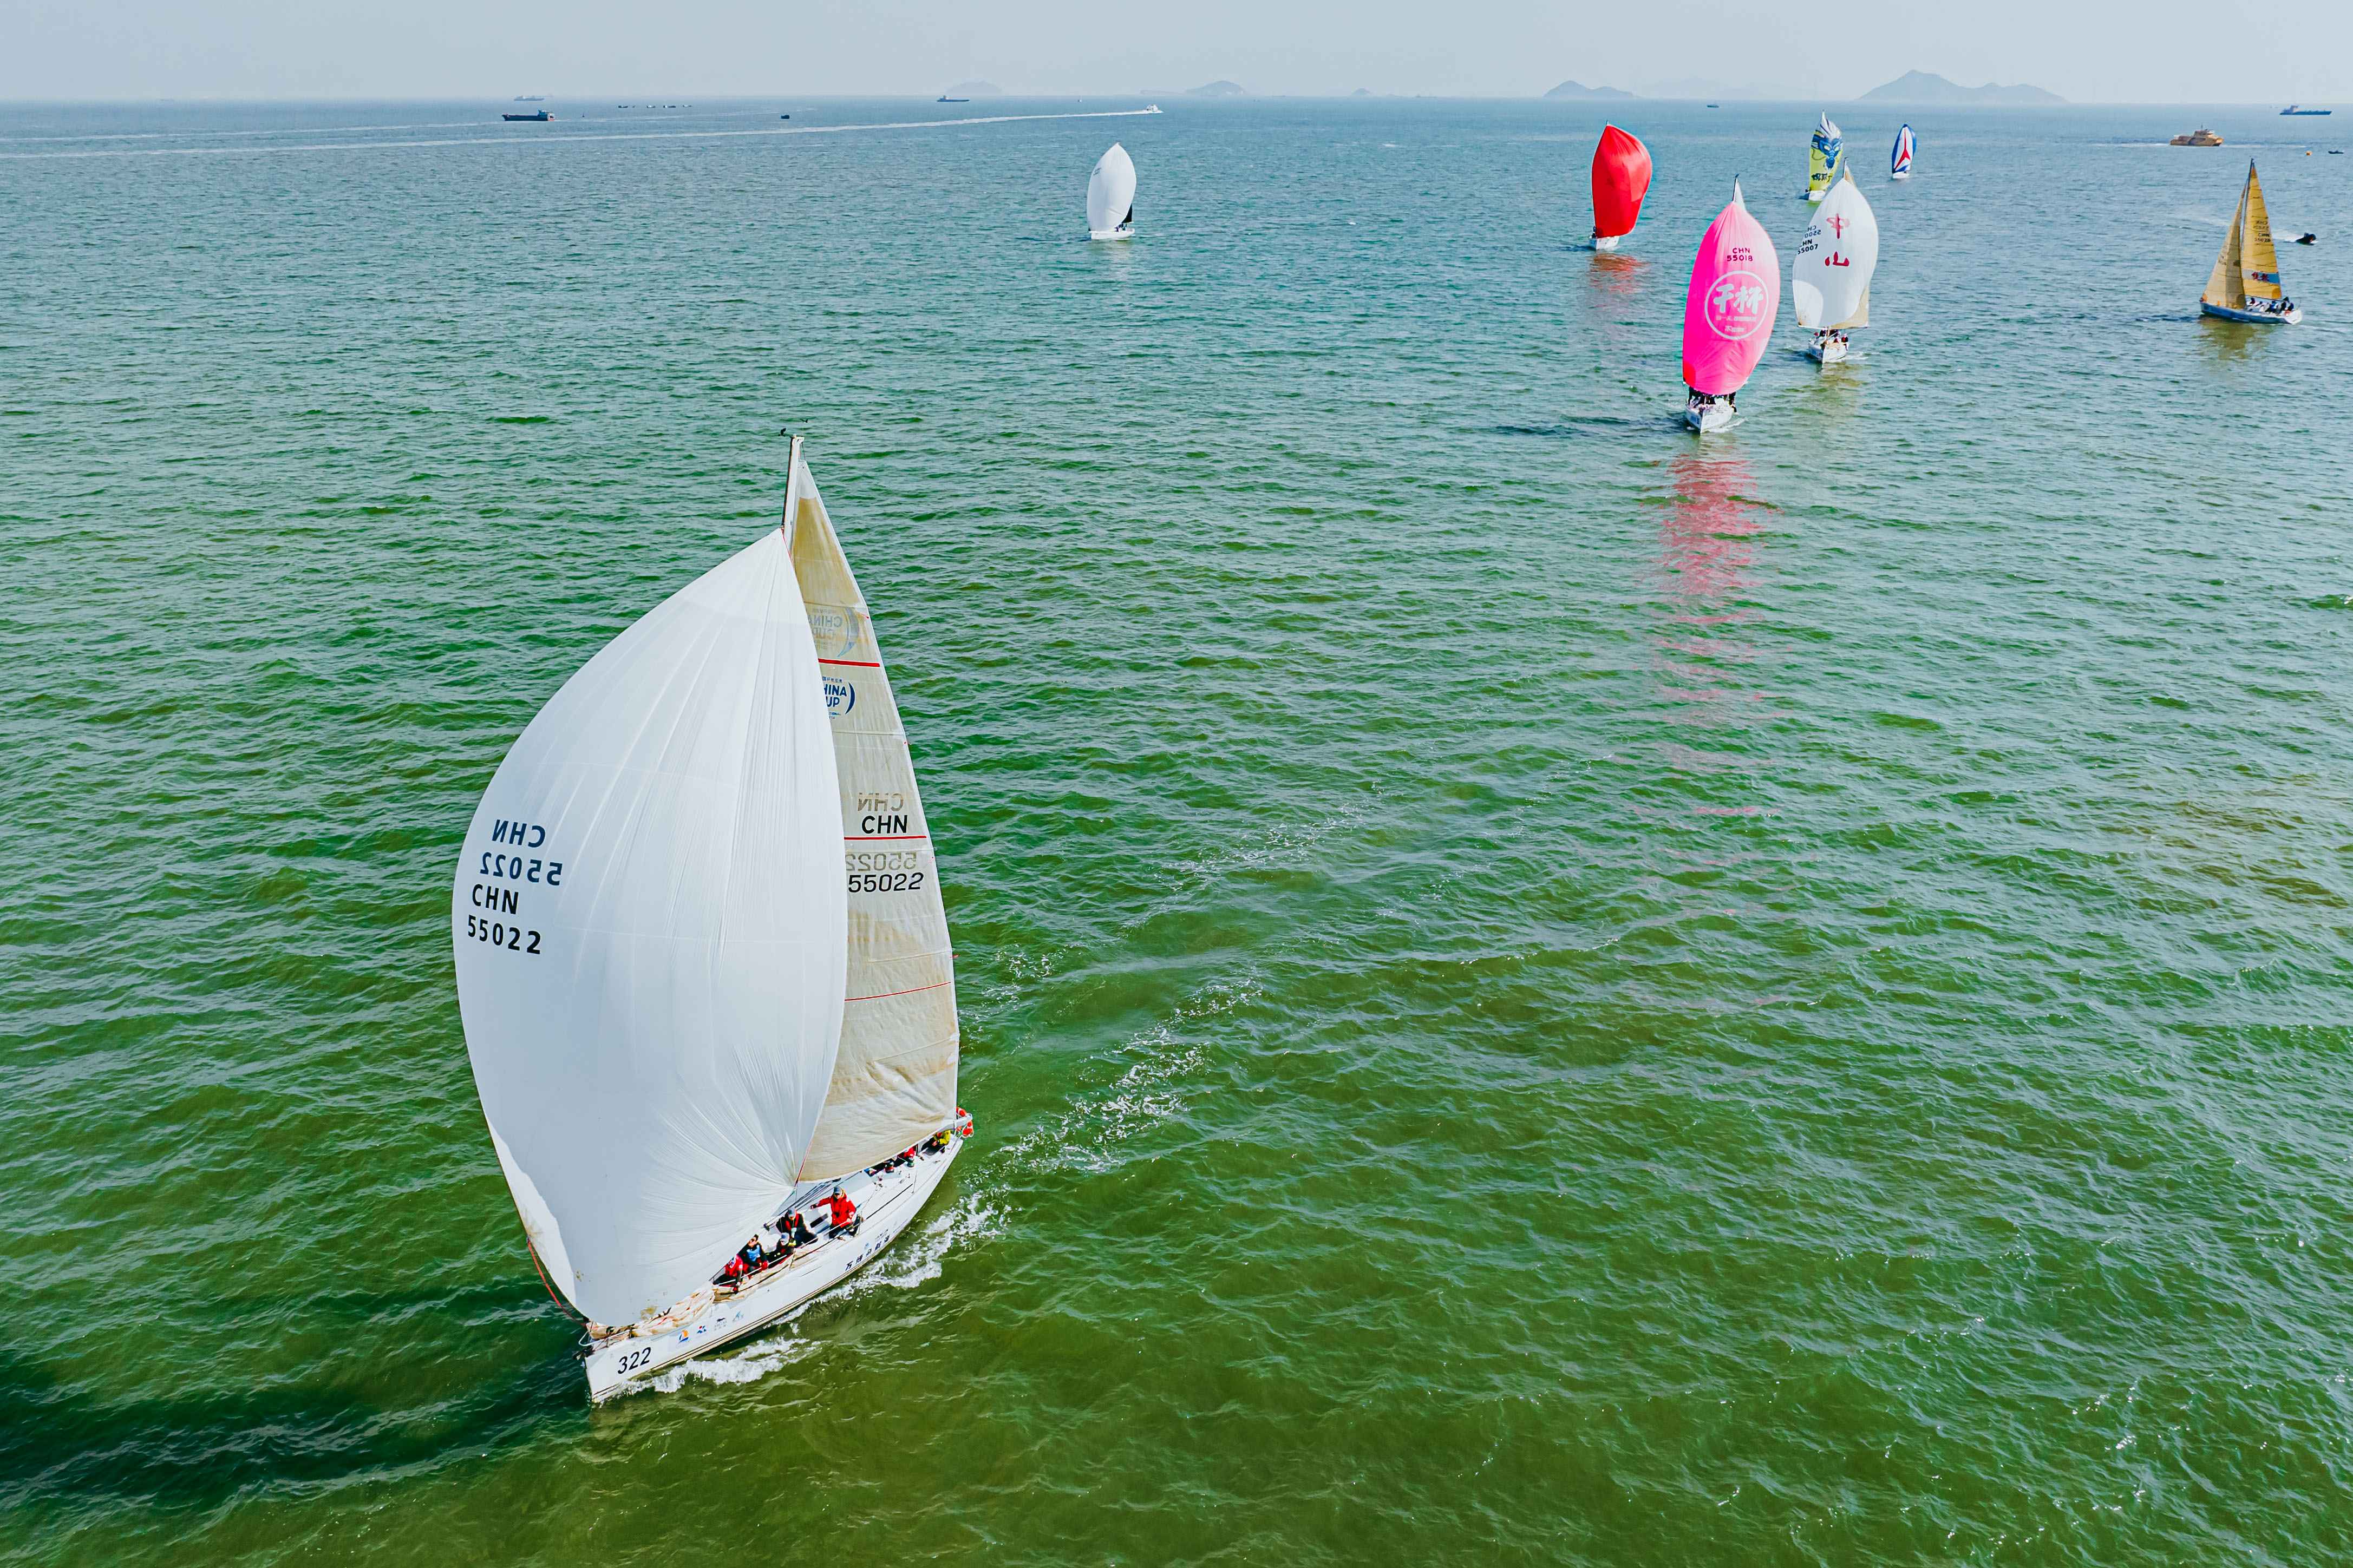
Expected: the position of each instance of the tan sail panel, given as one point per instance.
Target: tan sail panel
(2258, 262)
(2222, 285)
(894, 1082)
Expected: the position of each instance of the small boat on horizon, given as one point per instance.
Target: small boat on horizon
(1110, 196)
(1728, 310)
(2201, 137)
(943, 98)
(542, 115)
(1899, 161)
(1824, 158)
(2299, 109)
(1621, 177)
(2245, 283)
(1829, 280)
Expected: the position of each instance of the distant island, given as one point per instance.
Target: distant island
(1218, 90)
(1927, 87)
(1579, 90)
(976, 89)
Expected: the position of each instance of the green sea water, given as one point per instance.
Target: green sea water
(1535, 990)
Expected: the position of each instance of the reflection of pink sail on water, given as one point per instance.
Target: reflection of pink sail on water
(1735, 292)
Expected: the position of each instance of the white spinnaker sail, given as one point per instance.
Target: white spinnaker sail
(1111, 190)
(651, 939)
(1830, 281)
(894, 1082)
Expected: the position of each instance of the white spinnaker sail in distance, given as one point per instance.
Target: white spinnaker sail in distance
(1111, 190)
(1830, 280)
(651, 939)
(894, 1082)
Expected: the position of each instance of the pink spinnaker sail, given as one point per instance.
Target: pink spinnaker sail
(1735, 292)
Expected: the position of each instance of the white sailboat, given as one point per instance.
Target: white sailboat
(1829, 280)
(1110, 196)
(689, 1018)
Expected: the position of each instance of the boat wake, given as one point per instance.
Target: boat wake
(1146, 1094)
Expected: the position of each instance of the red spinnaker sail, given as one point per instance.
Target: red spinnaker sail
(1621, 177)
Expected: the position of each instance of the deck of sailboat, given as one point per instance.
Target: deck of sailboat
(2254, 318)
(886, 1204)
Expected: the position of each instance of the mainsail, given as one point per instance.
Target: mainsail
(1111, 192)
(894, 1082)
(1823, 158)
(1830, 280)
(1621, 177)
(1728, 310)
(651, 938)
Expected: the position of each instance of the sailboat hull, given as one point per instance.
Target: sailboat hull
(1830, 352)
(1901, 174)
(886, 1206)
(1607, 241)
(1124, 231)
(1707, 418)
(2286, 317)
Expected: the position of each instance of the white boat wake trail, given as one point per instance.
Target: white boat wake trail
(512, 138)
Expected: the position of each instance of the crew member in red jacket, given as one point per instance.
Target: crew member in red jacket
(842, 1211)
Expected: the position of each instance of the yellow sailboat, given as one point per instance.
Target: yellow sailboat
(2245, 283)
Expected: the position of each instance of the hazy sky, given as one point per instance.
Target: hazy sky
(2133, 50)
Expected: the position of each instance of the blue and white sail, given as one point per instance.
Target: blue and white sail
(1899, 162)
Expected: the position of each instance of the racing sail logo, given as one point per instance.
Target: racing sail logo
(1734, 306)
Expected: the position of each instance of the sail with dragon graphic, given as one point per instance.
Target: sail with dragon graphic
(1825, 156)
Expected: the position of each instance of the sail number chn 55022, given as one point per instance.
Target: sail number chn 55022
(497, 894)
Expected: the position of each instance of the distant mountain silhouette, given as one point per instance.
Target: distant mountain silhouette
(1927, 87)
(1218, 90)
(1579, 90)
(976, 89)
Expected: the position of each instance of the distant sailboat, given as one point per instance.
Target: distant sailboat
(1728, 310)
(1899, 162)
(1110, 196)
(2245, 283)
(702, 962)
(1621, 177)
(1824, 159)
(1830, 281)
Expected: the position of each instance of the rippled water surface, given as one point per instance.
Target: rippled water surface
(1535, 990)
